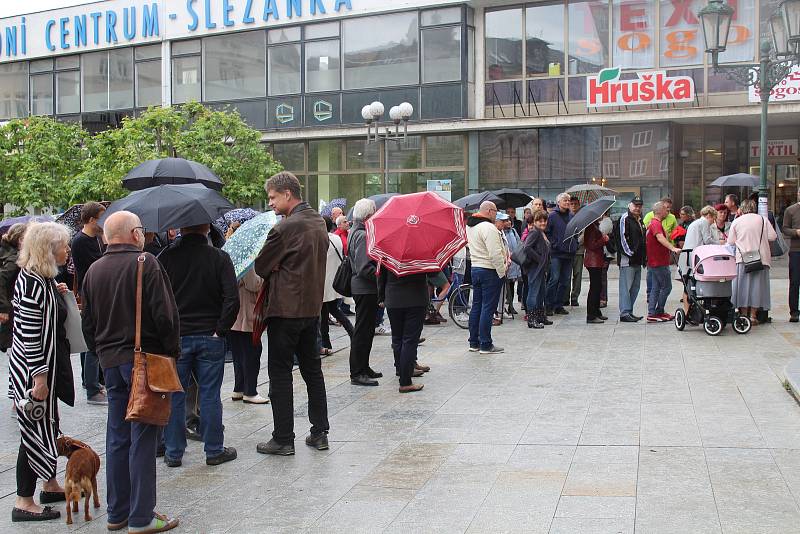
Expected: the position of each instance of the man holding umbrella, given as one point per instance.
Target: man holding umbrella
(292, 264)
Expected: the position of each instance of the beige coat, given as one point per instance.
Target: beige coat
(249, 286)
(334, 254)
(749, 232)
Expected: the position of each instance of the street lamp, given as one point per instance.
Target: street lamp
(776, 60)
(372, 113)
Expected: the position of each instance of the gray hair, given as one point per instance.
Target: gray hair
(364, 209)
(42, 241)
(658, 206)
(340, 219)
(562, 196)
(748, 206)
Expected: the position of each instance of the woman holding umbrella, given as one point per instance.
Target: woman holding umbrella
(594, 260)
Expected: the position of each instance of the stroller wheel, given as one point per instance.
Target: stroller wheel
(741, 324)
(680, 319)
(712, 326)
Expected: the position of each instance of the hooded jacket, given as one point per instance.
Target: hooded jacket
(486, 245)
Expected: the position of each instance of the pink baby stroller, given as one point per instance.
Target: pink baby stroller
(707, 283)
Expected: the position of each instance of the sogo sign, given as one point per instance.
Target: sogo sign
(788, 89)
(654, 87)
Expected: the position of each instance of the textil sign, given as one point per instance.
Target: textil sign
(653, 87)
(775, 148)
(788, 89)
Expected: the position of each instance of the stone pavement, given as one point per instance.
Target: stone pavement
(575, 429)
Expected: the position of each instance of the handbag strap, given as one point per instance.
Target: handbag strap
(341, 258)
(137, 342)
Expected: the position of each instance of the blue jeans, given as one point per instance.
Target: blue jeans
(535, 300)
(560, 277)
(130, 456)
(90, 373)
(630, 279)
(205, 355)
(485, 292)
(658, 280)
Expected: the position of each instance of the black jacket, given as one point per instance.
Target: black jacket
(364, 281)
(402, 291)
(85, 250)
(537, 250)
(8, 276)
(629, 239)
(204, 284)
(109, 307)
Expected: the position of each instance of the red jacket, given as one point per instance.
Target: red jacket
(593, 242)
(343, 234)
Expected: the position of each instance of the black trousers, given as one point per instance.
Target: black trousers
(406, 328)
(285, 338)
(595, 287)
(246, 362)
(332, 308)
(363, 333)
(794, 281)
(26, 477)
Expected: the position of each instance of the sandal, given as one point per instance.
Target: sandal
(160, 523)
(47, 514)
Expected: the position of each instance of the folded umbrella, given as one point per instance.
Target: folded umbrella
(379, 201)
(513, 198)
(587, 193)
(586, 216)
(248, 240)
(416, 233)
(473, 202)
(740, 179)
(170, 171)
(172, 206)
(5, 224)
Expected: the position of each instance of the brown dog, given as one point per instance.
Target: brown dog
(81, 476)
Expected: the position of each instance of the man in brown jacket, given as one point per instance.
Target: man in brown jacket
(292, 264)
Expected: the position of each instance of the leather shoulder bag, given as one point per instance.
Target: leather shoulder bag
(752, 258)
(154, 377)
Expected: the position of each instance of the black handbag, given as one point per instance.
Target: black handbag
(344, 275)
(520, 256)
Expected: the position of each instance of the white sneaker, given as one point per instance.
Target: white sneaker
(258, 399)
(382, 330)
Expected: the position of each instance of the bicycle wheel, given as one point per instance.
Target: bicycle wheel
(460, 305)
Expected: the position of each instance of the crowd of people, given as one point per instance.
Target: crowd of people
(194, 309)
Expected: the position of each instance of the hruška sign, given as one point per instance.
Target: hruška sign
(652, 87)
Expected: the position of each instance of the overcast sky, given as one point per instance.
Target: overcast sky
(9, 8)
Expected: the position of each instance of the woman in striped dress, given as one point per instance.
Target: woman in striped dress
(37, 365)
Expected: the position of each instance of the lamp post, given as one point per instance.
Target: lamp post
(372, 113)
(777, 57)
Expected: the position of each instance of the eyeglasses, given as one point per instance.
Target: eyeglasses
(142, 228)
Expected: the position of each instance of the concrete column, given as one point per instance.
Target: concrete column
(480, 64)
(166, 74)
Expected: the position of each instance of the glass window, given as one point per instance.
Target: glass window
(186, 47)
(42, 94)
(544, 39)
(284, 112)
(381, 51)
(325, 155)
(322, 66)
(283, 35)
(508, 158)
(323, 109)
(148, 84)
(14, 90)
(320, 31)
(681, 36)
(448, 15)
(441, 54)
(41, 65)
(284, 69)
(504, 44)
(444, 151)
(442, 101)
(120, 79)
(68, 62)
(634, 37)
(148, 52)
(406, 154)
(68, 92)
(588, 36)
(234, 66)
(362, 155)
(291, 155)
(185, 79)
(94, 68)
(252, 112)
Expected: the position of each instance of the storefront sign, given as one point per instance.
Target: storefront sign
(788, 89)
(125, 22)
(443, 188)
(775, 147)
(653, 87)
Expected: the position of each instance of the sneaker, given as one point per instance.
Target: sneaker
(655, 319)
(318, 441)
(494, 349)
(666, 317)
(172, 462)
(273, 447)
(474, 349)
(382, 330)
(228, 454)
(637, 317)
(255, 399)
(628, 318)
(560, 311)
(99, 399)
(508, 316)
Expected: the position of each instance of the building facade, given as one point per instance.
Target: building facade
(537, 95)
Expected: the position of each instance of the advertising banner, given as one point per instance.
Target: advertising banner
(788, 89)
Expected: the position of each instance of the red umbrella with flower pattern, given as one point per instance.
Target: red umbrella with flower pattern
(416, 233)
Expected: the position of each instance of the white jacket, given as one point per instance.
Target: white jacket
(331, 266)
(486, 247)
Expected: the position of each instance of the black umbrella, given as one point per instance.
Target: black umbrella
(513, 198)
(169, 171)
(172, 206)
(587, 215)
(474, 201)
(379, 201)
(740, 179)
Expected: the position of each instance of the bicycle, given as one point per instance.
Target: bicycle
(460, 305)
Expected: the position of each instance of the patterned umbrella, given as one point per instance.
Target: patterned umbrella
(340, 203)
(72, 217)
(248, 240)
(239, 215)
(587, 193)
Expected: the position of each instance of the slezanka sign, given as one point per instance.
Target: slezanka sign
(653, 87)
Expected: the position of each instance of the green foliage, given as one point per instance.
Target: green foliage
(52, 164)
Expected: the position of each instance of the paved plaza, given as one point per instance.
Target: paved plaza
(614, 428)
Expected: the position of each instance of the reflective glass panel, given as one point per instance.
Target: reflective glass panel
(68, 62)
(186, 47)
(381, 51)
(325, 155)
(681, 36)
(588, 37)
(185, 79)
(441, 54)
(148, 52)
(407, 155)
(42, 94)
(544, 39)
(322, 66)
(504, 44)
(291, 155)
(444, 151)
(284, 35)
(68, 92)
(41, 65)
(448, 15)
(94, 69)
(234, 66)
(362, 155)
(284, 69)
(14, 90)
(634, 33)
(148, 84)
(120, 79)
(320, 31)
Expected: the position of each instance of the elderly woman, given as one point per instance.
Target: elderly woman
(39, 365)
(700, 232)
(9, 252)
(330, 298)
(751, 232)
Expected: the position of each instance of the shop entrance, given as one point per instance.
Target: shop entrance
(783, 179)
